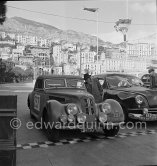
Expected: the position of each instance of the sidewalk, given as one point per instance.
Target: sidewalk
(21, 84)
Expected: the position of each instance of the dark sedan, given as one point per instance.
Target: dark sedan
(137, 101)
(62, 103)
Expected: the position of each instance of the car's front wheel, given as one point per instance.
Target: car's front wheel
(52, 133)
(111, 132)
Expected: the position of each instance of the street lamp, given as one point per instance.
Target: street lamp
(94, 10)
(122, 26)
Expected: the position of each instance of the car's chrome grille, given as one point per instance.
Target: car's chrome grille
(87, 105)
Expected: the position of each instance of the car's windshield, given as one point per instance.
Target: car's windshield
(53, 83)
(123, 81)
(64, 82)
(73, 82)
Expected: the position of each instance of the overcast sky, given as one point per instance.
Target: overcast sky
(140, 11)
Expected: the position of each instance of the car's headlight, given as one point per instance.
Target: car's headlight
(139, 99)
(71, 118)
(72, 109)
(106, 108)
(81, 118)
(63, 118)
(102, 117)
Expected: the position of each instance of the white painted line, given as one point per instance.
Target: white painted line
(59, 143)
(48, 142)
(27, 147)
(73, 142)
(18, 145)
(44, 146)
(33, 144)
(22, 91)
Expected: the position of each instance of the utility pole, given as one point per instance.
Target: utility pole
(122, 26)
(80, 62)
(97, 23)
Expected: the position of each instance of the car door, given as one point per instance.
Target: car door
(108, 92)
(146, 80)
(38, 97)
(104, 85)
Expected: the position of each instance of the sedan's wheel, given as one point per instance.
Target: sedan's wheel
(52, 134)
(111, 132)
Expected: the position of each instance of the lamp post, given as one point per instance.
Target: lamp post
(122, 26)
(97, 23)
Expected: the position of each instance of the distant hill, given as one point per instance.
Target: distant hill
(29, 27)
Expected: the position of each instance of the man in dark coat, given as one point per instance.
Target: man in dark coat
(93, 86)
(153, 78)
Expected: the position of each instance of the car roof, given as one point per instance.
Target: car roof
(58, 76)
(113, 74)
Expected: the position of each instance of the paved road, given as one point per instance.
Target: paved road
(131, 147)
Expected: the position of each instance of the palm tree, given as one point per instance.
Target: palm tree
(3, 10)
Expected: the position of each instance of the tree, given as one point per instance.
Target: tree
(29, 73)
(2, 70)
(6, 67)
(19, 74)
(52, 62)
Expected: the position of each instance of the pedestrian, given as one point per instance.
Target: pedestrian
(52, 71)
(153, 78)
(93, 86)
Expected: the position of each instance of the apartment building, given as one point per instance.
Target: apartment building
(87, 57)
(41, 52)
(141, 50)
(57, 54)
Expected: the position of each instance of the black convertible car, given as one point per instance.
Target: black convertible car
(137, 101)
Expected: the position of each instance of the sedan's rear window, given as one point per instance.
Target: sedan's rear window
(52, 83)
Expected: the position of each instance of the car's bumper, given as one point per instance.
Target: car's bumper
(143, 114)
(90, 126)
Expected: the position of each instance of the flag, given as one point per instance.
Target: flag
(91, 9)
(123, 21)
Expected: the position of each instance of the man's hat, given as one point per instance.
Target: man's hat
(86, 76)
(150, 70)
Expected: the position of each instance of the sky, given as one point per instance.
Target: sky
(141, 12)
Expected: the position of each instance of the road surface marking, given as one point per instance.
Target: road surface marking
(47, 144)
(21, 91)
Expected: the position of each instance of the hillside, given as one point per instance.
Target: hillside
(29, 27)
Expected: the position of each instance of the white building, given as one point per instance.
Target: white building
(141, 50)
(16, 53)
(57, 54)
(87, 57)
(93, 68)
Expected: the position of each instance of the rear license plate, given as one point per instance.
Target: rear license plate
(149, 116)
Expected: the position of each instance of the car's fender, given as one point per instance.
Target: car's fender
(29, 100)
(54, 110)
(116, 114)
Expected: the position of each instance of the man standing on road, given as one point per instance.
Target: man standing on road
(93, 86)
(153, 78)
